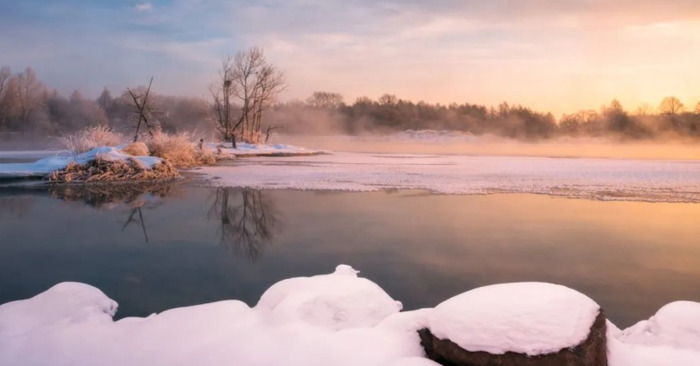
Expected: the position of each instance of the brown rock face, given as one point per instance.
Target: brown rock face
(591, 352)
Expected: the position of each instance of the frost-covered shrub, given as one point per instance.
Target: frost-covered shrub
(180, 149)
(91, 138)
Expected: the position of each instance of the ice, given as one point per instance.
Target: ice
(225, 150)
(605, 179)
(528, 317)
(44, 167)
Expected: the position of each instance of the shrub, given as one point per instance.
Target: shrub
(180, 149)
(91, 138)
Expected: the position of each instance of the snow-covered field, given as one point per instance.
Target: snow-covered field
(605, 179)
(338, 319)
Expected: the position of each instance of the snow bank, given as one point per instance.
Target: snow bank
(530, 317)
(71, 324)
(335, 319)
(225, 150)
(670, 337)
(337, 301)
(607, 179)
(44, 167)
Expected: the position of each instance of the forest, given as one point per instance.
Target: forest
(28, 108)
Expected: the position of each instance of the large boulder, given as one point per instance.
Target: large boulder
(517, 324)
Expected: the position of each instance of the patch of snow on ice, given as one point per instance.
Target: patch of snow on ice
(607, 179)
(225, 150)
(528, 317)
(340, 300)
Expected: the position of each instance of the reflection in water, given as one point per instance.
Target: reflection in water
(131, 220)
(16, 206)
(248, 220)
(99, 195)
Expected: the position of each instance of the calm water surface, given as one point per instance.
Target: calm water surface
(183, 245)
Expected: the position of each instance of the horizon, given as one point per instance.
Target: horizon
(552, 56)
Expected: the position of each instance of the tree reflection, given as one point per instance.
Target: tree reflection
(248, 220)
(14, 206)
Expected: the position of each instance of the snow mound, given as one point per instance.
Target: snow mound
(62, 304)
(340, 300)
(71, 324)
(676, 325)
(528, 317)
(44, 167)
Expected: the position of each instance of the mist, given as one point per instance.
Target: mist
(32, 115)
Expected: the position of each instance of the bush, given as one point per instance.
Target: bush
(91, 138)
(180, 149)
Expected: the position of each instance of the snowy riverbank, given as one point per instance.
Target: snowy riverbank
(339, 319)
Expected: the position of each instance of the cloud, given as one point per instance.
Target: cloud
(144, 7)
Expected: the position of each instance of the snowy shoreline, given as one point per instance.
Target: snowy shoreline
(326, 319)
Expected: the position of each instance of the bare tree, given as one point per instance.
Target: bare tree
(254, 84)
(671, 106)
(325, 100)
(6, 95)
(28, 96)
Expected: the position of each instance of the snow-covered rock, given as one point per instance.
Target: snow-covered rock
(528, 317)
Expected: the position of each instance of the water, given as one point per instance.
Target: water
(200, 244)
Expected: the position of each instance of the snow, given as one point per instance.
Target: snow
(32, 154)
(44, 167)
(245, 149)
(338, 319)
(529, 317)
(342, 301)
(71, 324)
(605, 179)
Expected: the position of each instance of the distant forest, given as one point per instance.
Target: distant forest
(28, 107)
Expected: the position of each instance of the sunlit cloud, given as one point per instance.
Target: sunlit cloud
(557, 55)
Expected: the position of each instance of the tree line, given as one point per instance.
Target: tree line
(248, 86)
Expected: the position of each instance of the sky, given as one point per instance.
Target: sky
(552, 55)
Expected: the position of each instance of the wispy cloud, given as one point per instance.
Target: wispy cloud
(144, 7)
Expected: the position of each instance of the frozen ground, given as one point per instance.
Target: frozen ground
(605, 179)
(335, 319)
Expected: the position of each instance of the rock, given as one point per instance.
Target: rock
(518, 324)
(592, 352)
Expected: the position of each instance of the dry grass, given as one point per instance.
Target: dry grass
(100, 170)
(136, 148)
(180, 149)
(91, 138)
